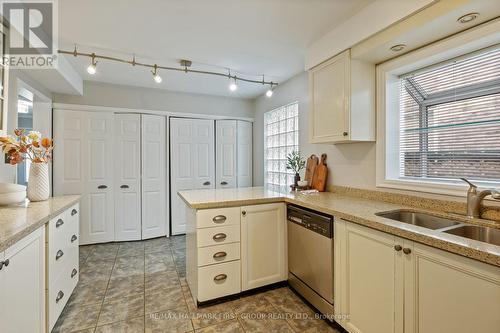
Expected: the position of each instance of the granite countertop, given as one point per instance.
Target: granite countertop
(18, 221)
(351, 208)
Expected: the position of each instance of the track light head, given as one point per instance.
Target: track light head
(233, 86)
(156, 77)
(270, 91)
(92, 67)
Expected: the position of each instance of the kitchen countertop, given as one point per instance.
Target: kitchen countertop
(18, 221)
(351, 208)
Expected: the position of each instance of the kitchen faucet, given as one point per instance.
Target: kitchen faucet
(474, 198)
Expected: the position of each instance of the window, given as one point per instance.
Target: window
(281, 137)
(449, 120)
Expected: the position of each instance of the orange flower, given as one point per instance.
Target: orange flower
(18, 131)
(46, 143)
(35, 144)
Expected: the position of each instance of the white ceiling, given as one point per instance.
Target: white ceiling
(252, 37)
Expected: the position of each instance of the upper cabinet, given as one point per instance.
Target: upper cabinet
(342, 101)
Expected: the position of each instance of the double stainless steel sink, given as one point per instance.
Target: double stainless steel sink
(454, 227)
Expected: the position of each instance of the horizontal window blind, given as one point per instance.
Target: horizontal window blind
(281, 132)
(450, 120)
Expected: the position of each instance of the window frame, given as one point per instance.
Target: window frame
(388, 93)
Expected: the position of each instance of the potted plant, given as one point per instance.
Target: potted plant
(36, 149)
(295, 163)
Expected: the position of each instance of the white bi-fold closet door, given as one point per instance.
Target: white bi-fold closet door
(117, 163)
(192, 163)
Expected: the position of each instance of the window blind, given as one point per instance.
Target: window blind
(281, 134)
(450, 119)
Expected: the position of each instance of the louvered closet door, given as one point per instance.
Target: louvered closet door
(192, 163)
(244, 161)
(127, 177)
(154, 203)
(83, 164)
(226, 148)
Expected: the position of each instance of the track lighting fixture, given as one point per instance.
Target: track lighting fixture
(270, 91)
(92, 67)
(156, 77)
(233, 86)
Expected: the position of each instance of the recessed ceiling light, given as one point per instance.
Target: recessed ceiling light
(398, 47)
(467, 18)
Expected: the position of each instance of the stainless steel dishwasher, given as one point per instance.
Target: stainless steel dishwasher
(310, 256)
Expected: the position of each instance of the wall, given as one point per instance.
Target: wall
(104, 94)
(349, 164)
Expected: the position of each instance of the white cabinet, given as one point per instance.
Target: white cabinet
(342, 100)
(154, 203)
(83, 164)
(244, 153)
(226, 150)
(263, 245)
(127, 177)
(22, 285)
(387, 284)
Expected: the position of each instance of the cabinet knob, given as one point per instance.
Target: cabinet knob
(220, 255)
(59, 296)
(59, 254)
(73, 238)
(102, 187)
(219, 237)
(345, 133)
(406, 250)
(223, 183)
(244, 213)
(59, 223)
(73, 212)
(206, 183)
(220, 277)
(73, 272)
(398, 247)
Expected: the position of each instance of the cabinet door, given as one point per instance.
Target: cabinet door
(371, 281)
(263, 245)
(127, 177)
(244, 164)
(22, 286)
(226, 147)
(445, 292)
(329, 91)
(154, 203)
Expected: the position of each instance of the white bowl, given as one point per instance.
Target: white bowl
(12, 198)
(6, 188)
(302, 183)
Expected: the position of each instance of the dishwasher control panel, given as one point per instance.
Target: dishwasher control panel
(312, 220)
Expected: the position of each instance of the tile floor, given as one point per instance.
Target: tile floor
(140, 287)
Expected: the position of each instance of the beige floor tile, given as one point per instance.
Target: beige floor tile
(168, 321)
(76, 317)
(89, 293)
(97, 270)
(161, 298)
(121, 287)
(134, 325)
(230, 326)
(211, 315)
(117, 309)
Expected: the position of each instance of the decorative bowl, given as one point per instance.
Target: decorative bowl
(11, 193)
(302, 183)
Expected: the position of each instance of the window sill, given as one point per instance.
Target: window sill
(442, 188)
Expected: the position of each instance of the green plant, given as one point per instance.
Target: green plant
(295, 162)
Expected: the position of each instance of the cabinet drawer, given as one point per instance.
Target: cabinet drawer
(58, 294)
(58, 228)
(218, 235)
(60, 258)
(218, 254)
(207, 218)
(219, 280)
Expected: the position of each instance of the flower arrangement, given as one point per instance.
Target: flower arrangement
(31, 146)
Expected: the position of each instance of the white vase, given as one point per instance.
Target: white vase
(38, 182)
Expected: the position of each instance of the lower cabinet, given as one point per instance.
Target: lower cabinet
(22, 285)
(384, 283)
(263, 246)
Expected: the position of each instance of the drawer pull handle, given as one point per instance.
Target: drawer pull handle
(73, 212)
(219, 219)
(60, 295)
(124, 186)
(102, 187)
(4, 263)
(59, 254)
(219, 237)
(223, 183)
(206, 183)
(59, 223)
(73, 272)
(220, 255)
(220, 278)
(73, 238)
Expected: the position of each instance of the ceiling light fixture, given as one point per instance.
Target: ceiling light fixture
(270, 91)
(467, 18)
(398, 47)
(92, 67)
(156, 77)
(185, 67)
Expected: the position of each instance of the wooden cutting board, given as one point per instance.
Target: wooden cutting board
(320, 174)
(311, 164)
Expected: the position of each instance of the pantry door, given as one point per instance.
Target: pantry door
(192, 163)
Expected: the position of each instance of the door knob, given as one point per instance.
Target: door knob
(244, 213)
(206, 183)
(406, 250)
(398, 247)
(345, 134)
